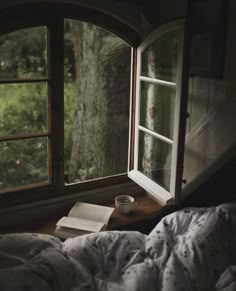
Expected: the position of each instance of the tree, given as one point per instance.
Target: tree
(100, 128)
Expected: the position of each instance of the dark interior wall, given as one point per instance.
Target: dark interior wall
(219, 188)
(211, 136)
(169, 10)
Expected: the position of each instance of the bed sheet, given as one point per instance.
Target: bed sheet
(191, 249)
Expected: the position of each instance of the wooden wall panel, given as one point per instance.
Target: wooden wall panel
(211, 131)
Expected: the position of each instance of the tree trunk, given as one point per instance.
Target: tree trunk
(92, 154)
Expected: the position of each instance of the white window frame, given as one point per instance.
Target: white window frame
(156, 191)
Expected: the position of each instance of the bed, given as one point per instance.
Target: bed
(191, 249)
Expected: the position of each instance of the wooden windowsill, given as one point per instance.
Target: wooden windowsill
(146, 209)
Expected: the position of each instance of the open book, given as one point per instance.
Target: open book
(83, 218)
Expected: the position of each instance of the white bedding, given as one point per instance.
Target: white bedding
(192, 249)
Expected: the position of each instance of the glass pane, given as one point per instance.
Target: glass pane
(23, 162)
(23, 53)
(157, 108)
(97, 88)
(23, 108)
(159, 60)
(155, 159)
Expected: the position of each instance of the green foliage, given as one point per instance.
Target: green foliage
(16, 117)
(85, 174)
(23, 161)
(23, 107)
(23, 53)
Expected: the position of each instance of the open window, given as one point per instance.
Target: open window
(157, 101)
(64, 110)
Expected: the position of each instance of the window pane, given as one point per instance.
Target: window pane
(23, 162)
(159, 60)
(155, 159)
(23, 108)
(97, 88)
(23, 53)
(157, 108)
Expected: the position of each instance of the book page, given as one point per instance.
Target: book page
(80, 224)
(91, 212)
(64, 232)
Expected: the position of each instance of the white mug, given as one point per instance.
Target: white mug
(125, 203)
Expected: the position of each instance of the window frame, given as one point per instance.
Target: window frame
(41, 16)
(30, 15)
(153, 188)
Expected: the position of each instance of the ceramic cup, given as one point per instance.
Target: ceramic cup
(125, 203)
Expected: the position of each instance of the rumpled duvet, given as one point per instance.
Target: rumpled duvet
(191, 249)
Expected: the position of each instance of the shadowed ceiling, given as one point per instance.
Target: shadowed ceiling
(141, 16)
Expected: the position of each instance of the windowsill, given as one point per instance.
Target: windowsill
(145, 210)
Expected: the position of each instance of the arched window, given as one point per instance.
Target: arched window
(65, 110)
(64, 95)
